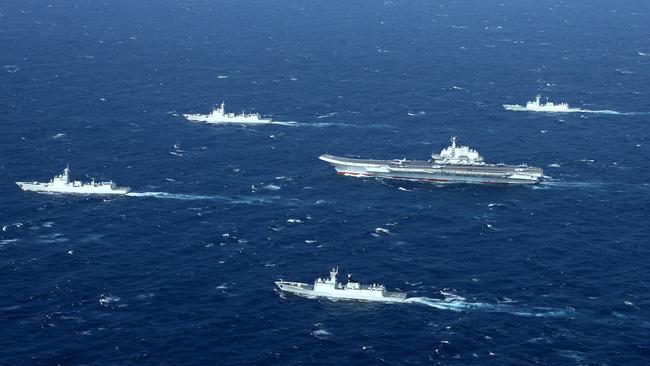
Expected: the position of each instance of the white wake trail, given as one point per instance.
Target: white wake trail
(609, 111)
(459, 305)
(195, 197)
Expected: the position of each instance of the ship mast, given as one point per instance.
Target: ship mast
(66, 173)
(333, 274)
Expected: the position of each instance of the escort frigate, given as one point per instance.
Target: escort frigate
(219, 115)
(331, 289)
(454, 164)
(62, 184)
(537, 106)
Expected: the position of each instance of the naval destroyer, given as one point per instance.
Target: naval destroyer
(537, 106)
(331, 289)
(454, 164)
(62, 184)
(219, 115)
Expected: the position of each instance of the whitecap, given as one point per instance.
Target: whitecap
(326, 115)
(382, 230)
(321, 333)
(58, 135)
(11, 68)
(630, 303)
(450, 296)
(294, 221)
(105, 300)
(53, 238)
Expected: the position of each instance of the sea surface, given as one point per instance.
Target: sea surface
(181, 271)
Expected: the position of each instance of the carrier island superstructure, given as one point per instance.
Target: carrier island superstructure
(454, 164)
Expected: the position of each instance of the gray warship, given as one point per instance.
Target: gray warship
(62, 184)
(454, 164)
(330, 288)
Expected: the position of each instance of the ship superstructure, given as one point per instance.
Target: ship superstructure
(454, 164)
(537, 106)
(62, 184)
(330, 288)
(219, 115)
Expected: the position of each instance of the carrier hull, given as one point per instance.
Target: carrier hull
(425, 171)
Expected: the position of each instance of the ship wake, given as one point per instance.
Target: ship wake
(559, 184)
(462, 305)
(609, 111)
(200, 197)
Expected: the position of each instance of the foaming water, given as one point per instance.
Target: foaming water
(461, 305)
(608, 111)
(195, 197)
(556, 184)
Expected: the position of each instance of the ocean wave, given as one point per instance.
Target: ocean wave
(7, 241)
(321, 333)
(266, 187)
(326, 115)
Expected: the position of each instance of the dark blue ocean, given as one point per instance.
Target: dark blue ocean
(182, 271)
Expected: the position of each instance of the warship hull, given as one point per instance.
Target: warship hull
(552, 109)
(308, 291)
(226, 119)
(82, 190)
(219, 116)
(425, 171)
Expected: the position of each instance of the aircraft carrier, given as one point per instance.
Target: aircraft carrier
(454, 164)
